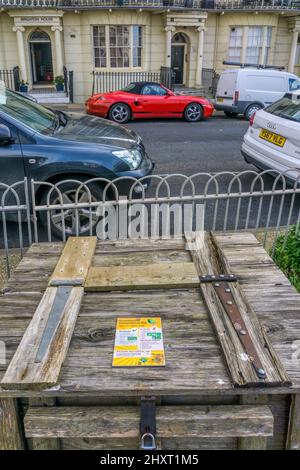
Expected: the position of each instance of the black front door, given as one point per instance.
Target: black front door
(177, 63)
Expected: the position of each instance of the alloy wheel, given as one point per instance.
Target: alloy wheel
(120, 113)
(193, 112)
(85, 217)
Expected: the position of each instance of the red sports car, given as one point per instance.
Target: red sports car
(148, 100)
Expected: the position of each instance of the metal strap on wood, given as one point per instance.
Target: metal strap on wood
(225, 295)
(148, 424)
(38, 360)
(247, 350)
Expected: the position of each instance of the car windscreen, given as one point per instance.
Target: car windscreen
(26, 111)
(131, 88)
(288, 108)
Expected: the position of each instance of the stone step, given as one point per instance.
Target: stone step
(50, 98)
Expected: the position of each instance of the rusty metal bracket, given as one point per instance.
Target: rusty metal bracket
(222, 287)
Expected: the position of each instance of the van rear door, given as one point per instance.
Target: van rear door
(227, 87)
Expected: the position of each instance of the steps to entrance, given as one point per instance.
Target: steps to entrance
(48, 95)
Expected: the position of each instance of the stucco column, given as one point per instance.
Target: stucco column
(169, 30)
(58, 49)
(293, 50)
(199, 61)
(19, 30)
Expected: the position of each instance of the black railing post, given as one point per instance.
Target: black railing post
(71, 86)
(93, 87)
(16, 76)
(65, 73)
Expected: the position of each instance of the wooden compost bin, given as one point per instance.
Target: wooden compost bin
(198, 406)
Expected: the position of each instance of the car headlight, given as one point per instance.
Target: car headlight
(101, 98)
(133, 157)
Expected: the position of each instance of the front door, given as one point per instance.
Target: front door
(41, 57)
(41, 61)
(177, 62)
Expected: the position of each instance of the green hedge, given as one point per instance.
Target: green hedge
(287, 255)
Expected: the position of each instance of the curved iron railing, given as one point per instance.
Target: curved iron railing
(38, 211)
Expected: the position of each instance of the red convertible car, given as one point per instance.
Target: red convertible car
(148, 100)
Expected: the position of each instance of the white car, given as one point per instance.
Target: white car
(272, 140)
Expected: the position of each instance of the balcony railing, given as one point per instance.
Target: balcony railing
(193, 4)
(29, 3)
(176, 4)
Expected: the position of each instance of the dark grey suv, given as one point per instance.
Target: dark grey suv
(52, 146)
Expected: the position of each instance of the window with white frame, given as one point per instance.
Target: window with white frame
(235, 44)
(117, 46)
(258, 37)
(268, 45)
(256, 40)
(255, 34)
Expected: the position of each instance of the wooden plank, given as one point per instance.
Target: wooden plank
(253, 442)
(41, 443)
(10, 430)
(74, 262)
(146, 276)
(172, 421)
(24, 371)
(293, 435)
(209, 259)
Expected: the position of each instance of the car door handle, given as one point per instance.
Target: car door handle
(32, 161)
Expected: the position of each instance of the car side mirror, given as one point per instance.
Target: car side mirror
(5, 135)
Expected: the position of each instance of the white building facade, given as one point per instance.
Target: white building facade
(117, 36)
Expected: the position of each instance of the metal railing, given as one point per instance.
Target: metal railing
(29, 3)
(10, 78)
(37, 211)
(69, 83)
(111, 81)
(210, 80)
(190, 4)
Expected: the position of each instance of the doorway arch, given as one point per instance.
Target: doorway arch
(41, 62)
(179, 51)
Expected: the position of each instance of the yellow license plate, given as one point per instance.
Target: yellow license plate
(220, 100)
(273, 138)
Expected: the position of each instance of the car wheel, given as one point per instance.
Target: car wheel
(193, 112)
(120, 113)
(231, 114)
(68, 219)
(252, 108)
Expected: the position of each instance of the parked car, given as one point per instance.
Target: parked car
(140, 100)
(51, 146)
(246, 90)
(273, 138)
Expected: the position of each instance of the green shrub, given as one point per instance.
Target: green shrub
(287, 255)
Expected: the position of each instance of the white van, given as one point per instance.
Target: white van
(246, 90)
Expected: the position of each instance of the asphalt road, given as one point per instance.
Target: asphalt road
(180, 147)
